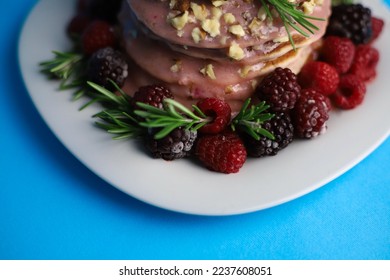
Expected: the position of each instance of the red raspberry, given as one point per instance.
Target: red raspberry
(338, 52)
(219, 111)
(377, 27)
(279, 89)
(99, 34)
(365, 62)
(350, 93)
(311, 114)
(152, 95)
(223, 152)
(320, 76)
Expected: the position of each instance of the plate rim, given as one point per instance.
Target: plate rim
(222, 210)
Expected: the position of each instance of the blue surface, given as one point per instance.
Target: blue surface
(52, 207)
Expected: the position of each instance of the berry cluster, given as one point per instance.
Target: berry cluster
(347, 59)
(285, 105)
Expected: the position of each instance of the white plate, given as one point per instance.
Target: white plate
(182, 185)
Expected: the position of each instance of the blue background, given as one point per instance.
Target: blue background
(52, 207)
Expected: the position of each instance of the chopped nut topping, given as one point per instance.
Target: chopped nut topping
(180, 5)
(217, 12)
(237, 30)
(200, 11)
(176, 67)
(180, 21)
(229, 89)
(236, 52)
(229, 18)
(262, 14)
(212, 27)
(208, 70)
(218, 3)
(245, 71)
(198, 35)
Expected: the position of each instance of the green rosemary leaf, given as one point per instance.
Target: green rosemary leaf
(251, 118)
(108, 94)
(291, 17)
(182, 108)
(199, 112)
(166, 130)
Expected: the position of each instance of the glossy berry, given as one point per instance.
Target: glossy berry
(351, 21)
(105, 65)
(338, 52)
(224, 152)
(279, 89)
(153, 95)
(220, 113)
(99, 34)
(178, 144)
(320, 76)
(311, 114)
(377, 28)
(281, 128)
(365, 62)
(350, 93)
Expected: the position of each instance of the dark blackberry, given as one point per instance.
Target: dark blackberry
(105, 65)
(176, 145)
(311, 114)
(152, 95)
(279, 89)
(352, 21)
(283, 130)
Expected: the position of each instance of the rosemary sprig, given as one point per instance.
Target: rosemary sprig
(172, 116)
(251, 118)
(292, 17)
(120, 123)
(118, 117)
(63, 64)
(118, 100)
(69, 68)
(339, 2)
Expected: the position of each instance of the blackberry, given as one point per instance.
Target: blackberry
(311, 114)
(351, 21)
(281, 127)
(152, 95)
(178, 144)
(107, 64)
(280, 89)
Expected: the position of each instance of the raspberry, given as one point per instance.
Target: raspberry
(350, 93)
(152, 95)
(99, 34)
(282, 129)
(279, 89)
(320, 76)
(175, 145)
(224, 152)
(311, 114)
(338, 52)
(219, 111)
(105, 65)
(351, 21)
(365, 62)
(377, 27)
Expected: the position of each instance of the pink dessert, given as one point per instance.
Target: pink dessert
(219, 49)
